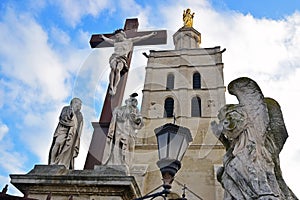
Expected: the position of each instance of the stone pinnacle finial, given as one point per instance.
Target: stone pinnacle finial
(188, 18)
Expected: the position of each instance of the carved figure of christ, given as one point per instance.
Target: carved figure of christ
(97, 145)
(118, 60)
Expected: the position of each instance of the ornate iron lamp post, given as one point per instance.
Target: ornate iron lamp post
(173, 142)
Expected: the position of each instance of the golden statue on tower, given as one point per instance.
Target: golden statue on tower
(188, 18)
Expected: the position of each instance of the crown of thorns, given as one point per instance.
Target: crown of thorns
(121, 31)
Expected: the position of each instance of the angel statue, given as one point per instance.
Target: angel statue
(253, 133)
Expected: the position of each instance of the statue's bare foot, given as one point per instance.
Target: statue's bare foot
(112, 91)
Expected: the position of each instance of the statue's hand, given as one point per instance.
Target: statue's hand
(102, 37)
(70, 112)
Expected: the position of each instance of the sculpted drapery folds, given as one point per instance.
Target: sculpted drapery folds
(253, 133)
(66, 139)
(121, 136)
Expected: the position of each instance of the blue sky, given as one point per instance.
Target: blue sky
(270, 9)
(45, 60)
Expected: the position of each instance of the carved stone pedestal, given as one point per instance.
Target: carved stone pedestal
(187, 38)
(104, 182)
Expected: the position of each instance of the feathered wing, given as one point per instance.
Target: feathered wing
(278, 132)
(265, 129)
(276, 137)
(250, 96)
(251, 99)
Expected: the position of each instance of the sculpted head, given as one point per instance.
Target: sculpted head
(76, 104)
(120, 34)
(133, 100)
(233, 119)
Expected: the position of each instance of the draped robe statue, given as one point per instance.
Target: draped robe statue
(66, 139)
(121, 136)
(253, 133)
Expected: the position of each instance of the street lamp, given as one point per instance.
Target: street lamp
(173, 142)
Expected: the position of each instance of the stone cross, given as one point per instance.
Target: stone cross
(97, 145)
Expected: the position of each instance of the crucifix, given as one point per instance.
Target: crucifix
(120, 65)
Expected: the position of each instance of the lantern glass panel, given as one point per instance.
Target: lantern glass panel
(183, 149)
(175, 145)
(162, 141)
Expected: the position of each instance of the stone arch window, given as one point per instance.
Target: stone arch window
(196, 107)
(170, 82)
(169, 107)
(196, 80)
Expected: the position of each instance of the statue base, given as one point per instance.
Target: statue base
(104, 182)
(187, 38)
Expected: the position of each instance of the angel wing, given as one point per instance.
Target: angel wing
(276, 137)
(251, 97)
(260, 109)
(277, 133)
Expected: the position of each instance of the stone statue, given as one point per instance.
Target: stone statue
(66, 139)
(120, 144)
(118, 60)
(188, 18)
(253, 133)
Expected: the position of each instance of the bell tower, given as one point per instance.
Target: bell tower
(184, 86)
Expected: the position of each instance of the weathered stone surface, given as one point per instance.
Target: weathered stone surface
(66, 139)
(197, 170)
(111, 170)
(187, 38)
(121, 135)
(104, 181)
(253, 133)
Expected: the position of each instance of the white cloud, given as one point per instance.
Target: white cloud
(35, 81)
(3, 130)
(27, 57)
(11, 160)
(73, 11)
(61, 37)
